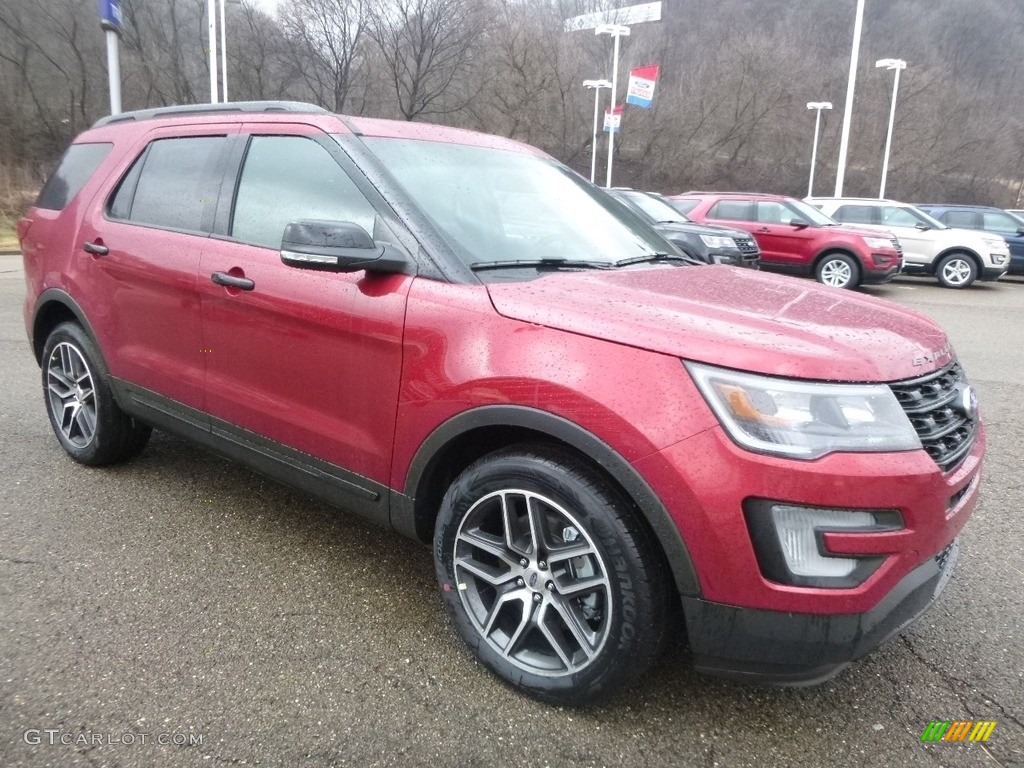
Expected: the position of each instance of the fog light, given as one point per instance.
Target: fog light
(788, 540)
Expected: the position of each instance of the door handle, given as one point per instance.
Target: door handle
(96, 249)
(764, 230)
(230, 281)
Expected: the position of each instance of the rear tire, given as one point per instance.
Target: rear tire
(86, 419)
(957, 270)
(838, 271)
(548, 577)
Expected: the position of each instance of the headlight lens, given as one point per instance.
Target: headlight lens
(716, 241)
(804, 419)
(878, 242)
(995, 242)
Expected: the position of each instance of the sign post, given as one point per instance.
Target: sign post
(616, 31)
(112, 22)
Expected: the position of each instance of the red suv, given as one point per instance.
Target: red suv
(458, 338)
(798, 238)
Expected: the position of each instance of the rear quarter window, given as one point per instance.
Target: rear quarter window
(75, 168)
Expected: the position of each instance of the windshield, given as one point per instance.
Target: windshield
(495, 205)
(657, 210)
(812, 214)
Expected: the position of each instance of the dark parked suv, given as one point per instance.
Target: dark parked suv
(459, 338)
(988, 219)
(799, 239)
(704, 242)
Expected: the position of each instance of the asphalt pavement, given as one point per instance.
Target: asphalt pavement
(182, 611)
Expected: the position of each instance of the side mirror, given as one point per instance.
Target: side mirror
(1020, 231)
(338, 246)
(799, 223)
(922, 226)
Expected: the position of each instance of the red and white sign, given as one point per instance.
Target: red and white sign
(641, 86)
(613, 120)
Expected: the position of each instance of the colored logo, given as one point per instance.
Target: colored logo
(958, 730)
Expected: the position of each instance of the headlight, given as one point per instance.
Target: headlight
(715, 241)
(878, 242)
(996, 242)
(804, 419)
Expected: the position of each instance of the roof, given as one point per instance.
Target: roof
(234, 107)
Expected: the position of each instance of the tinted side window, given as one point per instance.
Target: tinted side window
(855, 214)
(774, 213)
(960, 219)
(77, 165)
(999, 222)
(286, 178)
(894, 216)
(171, 184)
(738, 210)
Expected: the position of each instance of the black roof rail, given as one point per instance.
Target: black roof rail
(199, 109)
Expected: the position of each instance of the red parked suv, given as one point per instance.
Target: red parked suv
(458, 338)
(799, 239)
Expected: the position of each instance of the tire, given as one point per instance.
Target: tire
(564, 629)
(838, 271)
(86, 419)
(956, 270)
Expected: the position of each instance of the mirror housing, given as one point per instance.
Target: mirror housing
(922, 226)
(799, 223)
(339, 246)
(1020, 231)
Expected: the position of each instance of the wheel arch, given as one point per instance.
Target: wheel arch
(830, 250)
(462, 439)
(54, 307)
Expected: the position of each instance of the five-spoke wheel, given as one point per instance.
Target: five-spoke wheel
(957, 270)
(549, 576)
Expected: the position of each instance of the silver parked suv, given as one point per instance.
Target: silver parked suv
(957, 257)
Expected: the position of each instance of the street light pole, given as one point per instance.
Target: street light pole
(898, 65)
(596, 85)
(844, 142)
(211, 37)
(616, 31)
(223, 52)
(817, 106)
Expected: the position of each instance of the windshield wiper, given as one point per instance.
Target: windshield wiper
(541, 264)
(656, 257)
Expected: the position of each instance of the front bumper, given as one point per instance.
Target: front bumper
(989, 274)
(735, 258)
(873, 274)
(804, 648)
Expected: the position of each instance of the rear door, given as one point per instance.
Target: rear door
(143, 243)
(306, 359)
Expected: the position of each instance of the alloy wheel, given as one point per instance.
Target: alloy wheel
(957, 271)
(71, 394)
(533, 582)
(836, 273)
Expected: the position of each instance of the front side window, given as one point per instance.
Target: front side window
(997, 221)
(903, 216)
(171, 185)
(287, 178)
(77, 165)
(496, 205)
(773, 213)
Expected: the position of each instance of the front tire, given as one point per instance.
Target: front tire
(548, 576)
(957, 270)
(86, 419)
(838, 271)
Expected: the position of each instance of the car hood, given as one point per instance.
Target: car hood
(692, 228)
(735, 318)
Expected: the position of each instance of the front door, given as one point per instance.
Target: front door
(310, 360)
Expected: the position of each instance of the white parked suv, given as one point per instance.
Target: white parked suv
(957, 257)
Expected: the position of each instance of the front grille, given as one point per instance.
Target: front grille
(898, 247)
(746, 245)
(932, 402)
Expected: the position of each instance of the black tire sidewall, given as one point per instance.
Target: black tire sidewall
(108, 441)
(631, 645)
